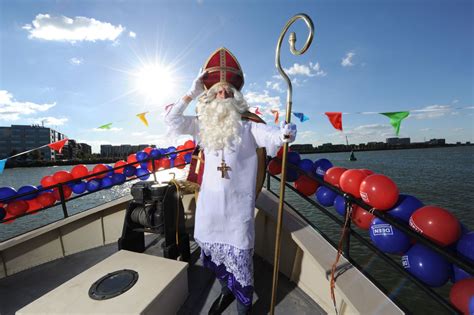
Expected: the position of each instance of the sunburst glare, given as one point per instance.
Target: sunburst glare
(155, 81)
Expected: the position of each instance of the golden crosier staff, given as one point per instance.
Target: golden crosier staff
(291, 40)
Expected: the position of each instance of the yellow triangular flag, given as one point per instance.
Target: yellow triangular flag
(142, 117)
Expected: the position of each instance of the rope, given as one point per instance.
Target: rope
(339, 253)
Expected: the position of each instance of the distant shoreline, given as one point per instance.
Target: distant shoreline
(388, 147)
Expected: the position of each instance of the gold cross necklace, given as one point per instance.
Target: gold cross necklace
(223, 168)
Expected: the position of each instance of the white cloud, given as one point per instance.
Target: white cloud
(62, 28)
(430, 112)
(274, 86)
(347, 60)
(309, 70)
(426, 129)
(132, 34)
(11, 109)
(76, 61)
(459, 129)
(112, 129)
(372, 132)
(49, 121)
(259, 99)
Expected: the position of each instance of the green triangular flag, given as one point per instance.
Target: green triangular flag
(396, 119)
(106, 126)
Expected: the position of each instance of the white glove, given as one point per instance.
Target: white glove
(197, 87)
(287, 132)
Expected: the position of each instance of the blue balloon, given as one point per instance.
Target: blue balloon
(459, 274)
(188, 157)
(106, 183)
(321, 166)
(471, 305)
(118, 179)
(79, 187)
(111, 168)
(129, 170)
(293, 158)
(340, 205)
(325, 196)
(3, 213)
(387, 238)
(155, 153)
(404, 207)
(28, 189)
(7, 192)
(291, 174)
(93, 185)
(144, 165)
(307, 165)
(426, 265)
(143, 173)
(141, 155)
(465, 246)
(172, 155)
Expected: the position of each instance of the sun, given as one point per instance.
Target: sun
(155, 81)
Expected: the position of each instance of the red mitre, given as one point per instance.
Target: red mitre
(223, 67)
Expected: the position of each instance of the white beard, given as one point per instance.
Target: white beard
(220, 123)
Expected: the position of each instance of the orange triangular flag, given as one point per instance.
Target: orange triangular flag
(58, 145)
(336, 119)
(142, 117)
(276, 114)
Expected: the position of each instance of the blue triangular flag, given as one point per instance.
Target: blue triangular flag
(2, 165)
(302, 117)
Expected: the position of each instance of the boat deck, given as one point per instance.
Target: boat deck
(22, 288)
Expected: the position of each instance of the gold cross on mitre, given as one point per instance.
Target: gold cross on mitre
(223, 168)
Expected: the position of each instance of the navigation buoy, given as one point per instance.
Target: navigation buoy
(379, 191)
(437, 224)
(333, 175)
(79, 171)
(305, 185)
(461, 294)
(405, 207)
(361, 217)
(350, 181)
(388, 238)
(325, 196)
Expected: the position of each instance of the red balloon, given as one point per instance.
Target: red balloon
(280, 152)
(79, 171)
(437, 224)
(118, 164)
(150, 166)
(361, 217)
(33, 205)
(180, 160)
(460, 294)
(132, 159)
(189, 144)
(379, 191)
(333, 175)
(350, 182)
(164, 163)
(8, 216)
(306, 185)
(17, 207)
(366, 171)
(46, 199)
(67, 193)
(48, 181)
(62, 176)
(148, 150)
(180, 148)
(274, 167)
(100, 168)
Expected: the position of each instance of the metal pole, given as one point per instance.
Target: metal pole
(292, 40)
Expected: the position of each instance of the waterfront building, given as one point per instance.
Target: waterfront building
(397, 141)
(121, 151)
(20, 138)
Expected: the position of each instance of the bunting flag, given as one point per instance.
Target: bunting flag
(106, 126)
(58, 145)
(396, 119)
(336, 119)
(142, 118)
(302, 117)
(276, 114)
(257, 112)
(2, 165)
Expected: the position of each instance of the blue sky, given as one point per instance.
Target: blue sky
(77, 65)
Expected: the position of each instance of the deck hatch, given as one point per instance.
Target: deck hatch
(113, 284)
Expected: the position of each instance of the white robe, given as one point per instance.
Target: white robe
(224, 219)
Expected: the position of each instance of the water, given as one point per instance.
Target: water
(439, 176)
